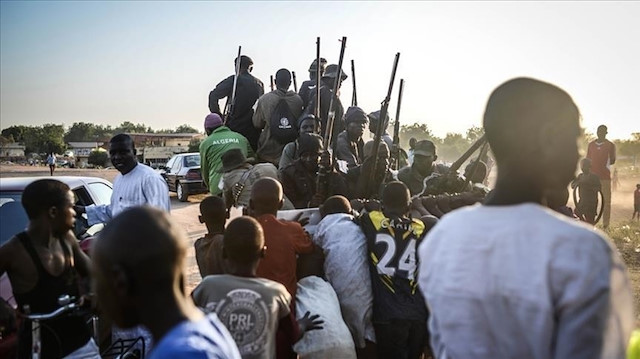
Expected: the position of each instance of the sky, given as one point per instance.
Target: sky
(155, 62)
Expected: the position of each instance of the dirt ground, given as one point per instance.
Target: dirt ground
(186, 214)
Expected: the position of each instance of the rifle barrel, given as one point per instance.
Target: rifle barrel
(331, 116)
(354, 96)
(396, 127)
(231, 104)
(295, 83)
(378, 135)
(318, 78)
(271, 82)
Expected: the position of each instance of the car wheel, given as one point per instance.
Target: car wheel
(183, 196)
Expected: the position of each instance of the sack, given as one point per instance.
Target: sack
(282, 123)
(334, 340)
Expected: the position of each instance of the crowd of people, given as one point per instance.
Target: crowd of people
(508, 278)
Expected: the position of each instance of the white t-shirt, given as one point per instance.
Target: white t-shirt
(522, 281)
(141, 186)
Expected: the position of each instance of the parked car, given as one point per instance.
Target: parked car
(183, 176)
(13, 218)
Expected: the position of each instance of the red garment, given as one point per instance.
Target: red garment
(601, 156)
(284, 241)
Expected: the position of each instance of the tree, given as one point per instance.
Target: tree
(98, 158)
(194, 145)
(16, 133)
(452, 147)
(80, 131)
(419, 131)
(185, 129)
(474, 133)
(129, 127)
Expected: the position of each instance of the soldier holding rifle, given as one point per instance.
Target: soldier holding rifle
(239, 103)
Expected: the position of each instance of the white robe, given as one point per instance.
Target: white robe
(141, 186)
(346, 268)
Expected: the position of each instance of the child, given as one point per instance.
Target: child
(346, 268)
(636, 203)
(213, 213)
(253, 309)
(588, 187)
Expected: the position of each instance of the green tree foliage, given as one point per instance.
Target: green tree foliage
(194, 145)
(185, 129)
(83, 131)
(129, 127)
(98, 158)
(15, 133)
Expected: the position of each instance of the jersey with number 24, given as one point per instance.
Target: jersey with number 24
(392, 249)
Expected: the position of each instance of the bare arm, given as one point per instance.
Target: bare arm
(612, 155)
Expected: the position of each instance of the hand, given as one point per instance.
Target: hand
(302, 221)
(310, 322)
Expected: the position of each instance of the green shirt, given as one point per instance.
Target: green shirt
(212, 148)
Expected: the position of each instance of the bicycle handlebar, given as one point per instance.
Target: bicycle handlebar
(56, 313)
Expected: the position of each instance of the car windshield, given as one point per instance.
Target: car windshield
(13, 218)
(192, 161)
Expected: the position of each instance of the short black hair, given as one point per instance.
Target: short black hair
(213, 209)
(43, 194)
(243, 240)
(283, 78)
(335, 204)
(396, 196)
(122, 137)
(518, 110)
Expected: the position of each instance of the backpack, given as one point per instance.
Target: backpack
(283, 123)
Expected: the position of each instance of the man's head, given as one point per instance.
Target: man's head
(213, 212)
(134, 271)
(313, 68)
(475, 171)
(638, 186)
(374, 122)
(243, 241)
(309, 124)
(310, 148)
(283, 79)
(396, 198)
(532, 128)
(266, 197)
(335, 204)
(246, 64)
(424, 154)
(585, 165)
(50, 201)
(232, 159)
(355, 119)
(331, 73)
(211, 122)
(602, 132)
(122, 153)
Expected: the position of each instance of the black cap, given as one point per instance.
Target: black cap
(245, 61)
(314, 65)
(355, 114)
(424, 148)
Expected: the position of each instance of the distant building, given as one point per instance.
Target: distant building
(157, 148)
(81, 151)
(12, 151)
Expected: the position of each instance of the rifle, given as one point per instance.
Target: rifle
(228, 110)
(395, 154)
(370, 188)
(322, 181)
(295, 83)
(354, 96)
(318, 78)
(328, 133)
(271, 82)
